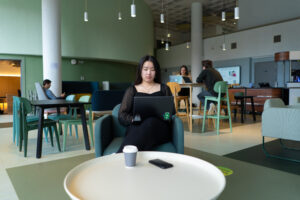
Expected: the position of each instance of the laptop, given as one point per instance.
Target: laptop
(187, 79)
(154, 106)
(176, 78)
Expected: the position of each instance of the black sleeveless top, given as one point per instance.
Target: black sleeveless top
(126, 109)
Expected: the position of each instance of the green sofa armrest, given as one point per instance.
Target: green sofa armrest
(103, 134)
(178, 134)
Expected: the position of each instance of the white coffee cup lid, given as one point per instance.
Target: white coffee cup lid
(130, 149)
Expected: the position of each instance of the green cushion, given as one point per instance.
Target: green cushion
(166, 147)
(113, 146)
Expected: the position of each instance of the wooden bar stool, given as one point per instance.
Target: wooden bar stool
(175, 88)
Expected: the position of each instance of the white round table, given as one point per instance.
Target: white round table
(108, 178)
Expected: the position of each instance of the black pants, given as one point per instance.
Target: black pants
(150, 133)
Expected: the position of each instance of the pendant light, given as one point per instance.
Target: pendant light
(119, 15)
(167, 46)
(223, 45)
(119, 11)
(85, 15)
(168, 34)
(237, 11)
(162, 41)
(162, 17)
(223, 13)
(223, 16)
(187, 45)
(133, 10)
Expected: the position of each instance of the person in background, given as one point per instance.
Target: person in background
(48, 92)
(209, 76)
(152, 131)
(184, 72)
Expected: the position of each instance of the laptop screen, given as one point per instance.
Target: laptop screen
(154, 106)
(187, 79)
(176, 78)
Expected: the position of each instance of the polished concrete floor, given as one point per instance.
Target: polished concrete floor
(243, 136)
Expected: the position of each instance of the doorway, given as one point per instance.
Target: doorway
(10, 83)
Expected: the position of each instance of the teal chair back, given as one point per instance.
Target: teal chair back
(70, 97)
(25, 105)
(16, 118)
(221, 87)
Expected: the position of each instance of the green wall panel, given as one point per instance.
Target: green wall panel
(91, 69)
(103, 37)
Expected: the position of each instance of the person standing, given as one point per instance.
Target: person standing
(209, 76)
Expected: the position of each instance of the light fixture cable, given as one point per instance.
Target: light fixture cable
(167, 38)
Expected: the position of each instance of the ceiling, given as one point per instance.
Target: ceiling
(10, 68)
(178, 18)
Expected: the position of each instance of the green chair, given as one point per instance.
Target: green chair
(220, 87)
(16, 120)
(58, 117)
(70, 122)
(25, 109)
(109, 135)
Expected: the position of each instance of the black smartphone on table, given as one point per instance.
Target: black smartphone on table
(160, 163)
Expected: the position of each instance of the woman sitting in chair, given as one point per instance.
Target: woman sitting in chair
(151, 131)
(184, 72)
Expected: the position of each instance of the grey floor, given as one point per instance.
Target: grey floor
(248, 178)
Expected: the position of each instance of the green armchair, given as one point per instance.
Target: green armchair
(109, 134)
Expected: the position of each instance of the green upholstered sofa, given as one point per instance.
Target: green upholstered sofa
(109, 134)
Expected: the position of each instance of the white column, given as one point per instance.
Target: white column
(51, 35)
(196, 44)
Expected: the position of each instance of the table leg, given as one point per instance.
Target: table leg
(84, 128)
(242, 109)
(40, 133)
(253, 110)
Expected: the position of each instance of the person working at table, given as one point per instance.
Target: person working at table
(152, 131)
(48, 92)
(184, 72)
(209, 76)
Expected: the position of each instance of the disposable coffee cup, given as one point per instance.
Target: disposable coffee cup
(130, 152)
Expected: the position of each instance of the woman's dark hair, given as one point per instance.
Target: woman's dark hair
(186, 70)
(157, 78)
(207, 63)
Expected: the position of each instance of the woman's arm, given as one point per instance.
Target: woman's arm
(126, 113)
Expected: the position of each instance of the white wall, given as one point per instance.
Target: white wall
(261, 12)
(102, 37)
(177, 55)
(256, 42)
(253, 43)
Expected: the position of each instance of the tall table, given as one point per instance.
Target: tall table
(190, 86)
(107, 178)
(43, 104)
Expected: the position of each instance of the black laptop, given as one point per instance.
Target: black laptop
(154, 106)
(186, 79)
